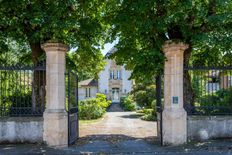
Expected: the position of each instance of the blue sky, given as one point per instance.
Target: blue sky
(108, 46)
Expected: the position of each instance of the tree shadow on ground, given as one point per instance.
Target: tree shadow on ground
(115, 138)
(132, 116)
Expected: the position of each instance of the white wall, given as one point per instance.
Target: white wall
(93, 91)
(21, 129)
(126, 84)
(103, 81)
(82, 92)
(209, 127)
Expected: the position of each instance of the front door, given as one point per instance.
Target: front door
(115, 95)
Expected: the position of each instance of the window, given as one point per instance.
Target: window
(115, 74)
(118, 74)
(87, 92)
(111, 74)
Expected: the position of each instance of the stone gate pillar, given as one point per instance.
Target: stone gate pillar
(55, 116)
(174, 121)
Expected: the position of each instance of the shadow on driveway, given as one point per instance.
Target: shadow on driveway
(115, 138)
(132, 116)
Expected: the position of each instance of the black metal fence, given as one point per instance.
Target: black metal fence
(22, 90)
(208, 90)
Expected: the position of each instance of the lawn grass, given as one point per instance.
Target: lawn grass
(92, 120)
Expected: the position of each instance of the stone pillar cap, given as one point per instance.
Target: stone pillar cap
(171, 46)
(52, 46)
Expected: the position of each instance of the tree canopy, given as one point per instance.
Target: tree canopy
(79, 24)
(143, 26)
(87, 66)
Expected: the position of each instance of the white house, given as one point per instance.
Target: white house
(113, 81)
(217, 80)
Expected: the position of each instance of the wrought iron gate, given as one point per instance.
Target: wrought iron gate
(159, 107)
(72, 106)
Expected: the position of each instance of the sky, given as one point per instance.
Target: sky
(108, 46)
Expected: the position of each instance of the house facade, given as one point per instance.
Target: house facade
(113, 81)
(217, 80)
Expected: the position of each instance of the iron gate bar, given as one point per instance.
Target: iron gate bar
(77, 106)
(17, 84)
(68, 107)
(159, 103)
(212, 84)
(73, 124)
(207, 68)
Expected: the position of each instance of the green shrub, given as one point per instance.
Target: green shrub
(128, 104)
(144, 94)
(122, 99)
(18, 103)
(102, 101)
(148, 111)
(140, 111)
(93, 108)
(225, 96)
(149, 117)
(153, 105)
(221, 98)
(89, 109)
(148, 114)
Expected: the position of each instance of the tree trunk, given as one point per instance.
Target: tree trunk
(39, 80)
(188, 90)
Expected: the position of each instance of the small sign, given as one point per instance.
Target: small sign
(175, 100)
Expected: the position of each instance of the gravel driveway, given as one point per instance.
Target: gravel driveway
(118, 122)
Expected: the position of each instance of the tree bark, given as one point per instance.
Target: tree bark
(39, 80)
(188, 90)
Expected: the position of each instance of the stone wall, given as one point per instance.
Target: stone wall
(209, 127)
(21, 129)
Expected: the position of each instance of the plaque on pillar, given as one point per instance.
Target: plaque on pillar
(175, 100)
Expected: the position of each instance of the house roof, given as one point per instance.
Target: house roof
(89, 82)
(111, 51)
